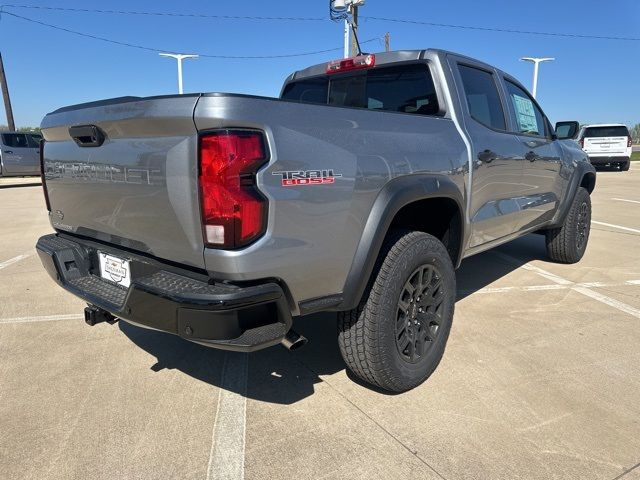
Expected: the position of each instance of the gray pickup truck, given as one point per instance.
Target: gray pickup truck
(220, 217)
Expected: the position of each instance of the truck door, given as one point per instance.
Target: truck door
(541, 154)
(497, 167)
(15, 152)
(33, 161)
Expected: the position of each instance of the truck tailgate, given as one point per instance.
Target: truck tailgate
(605, 144)
(138, 189)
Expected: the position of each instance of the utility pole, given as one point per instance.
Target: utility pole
(354, 29)
(387, 42)
(536, 62)
(347, 31)
(347, 11)
(179, 57)
(5, 96)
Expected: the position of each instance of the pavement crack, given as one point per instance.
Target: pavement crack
(627, 471)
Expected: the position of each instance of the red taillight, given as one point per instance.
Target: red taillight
(233, 210)
(582, 142)
(356, 63)
(629, 141)
(42, 176)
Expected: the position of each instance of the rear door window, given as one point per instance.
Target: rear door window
(405, 89)
(482, 97)
(15, 140)
(34, 140)
(527, 117)
(615, 131)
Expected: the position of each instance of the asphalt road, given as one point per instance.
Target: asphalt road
(541, 377)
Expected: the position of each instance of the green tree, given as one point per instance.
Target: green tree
(635, 133)
(29, 129)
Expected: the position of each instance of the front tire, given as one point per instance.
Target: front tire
(396, 337)
(568, 243)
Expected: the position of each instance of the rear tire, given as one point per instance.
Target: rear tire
(568, 243)
(624, 167)
(397, 335)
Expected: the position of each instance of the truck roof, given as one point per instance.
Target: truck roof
(383, 58)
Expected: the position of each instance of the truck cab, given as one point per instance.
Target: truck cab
(19, 154)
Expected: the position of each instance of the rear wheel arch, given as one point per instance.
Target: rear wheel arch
(396, 208)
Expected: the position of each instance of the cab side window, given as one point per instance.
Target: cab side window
(482, 97)
(526, 115)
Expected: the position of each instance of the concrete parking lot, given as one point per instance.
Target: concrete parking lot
(541, 377)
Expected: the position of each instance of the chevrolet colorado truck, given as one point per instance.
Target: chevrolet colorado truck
(220, 217)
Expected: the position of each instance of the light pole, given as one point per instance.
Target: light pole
(536, 62)
(179, 57)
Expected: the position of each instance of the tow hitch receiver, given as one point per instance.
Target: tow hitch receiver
(94, 315)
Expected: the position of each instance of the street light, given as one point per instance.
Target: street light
(179, 57)
(536, 62)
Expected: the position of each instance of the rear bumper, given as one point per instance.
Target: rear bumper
(241, 318)
(596, 159)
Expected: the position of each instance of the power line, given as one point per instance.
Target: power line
(501, 30)
(158, 50)
(165, 14)
(277, 18)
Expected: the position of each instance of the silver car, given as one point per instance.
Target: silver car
(19, 154)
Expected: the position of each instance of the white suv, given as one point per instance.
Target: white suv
(607, 144)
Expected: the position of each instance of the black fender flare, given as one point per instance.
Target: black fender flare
(395, 195)
(582, 169)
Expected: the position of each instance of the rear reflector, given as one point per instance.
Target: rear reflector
(233, 210)
(356, 63)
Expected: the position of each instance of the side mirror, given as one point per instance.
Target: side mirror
(565, 130)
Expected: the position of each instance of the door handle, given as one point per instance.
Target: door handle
(8, 151)
(87, 135)
(487, 156)
(531, 156)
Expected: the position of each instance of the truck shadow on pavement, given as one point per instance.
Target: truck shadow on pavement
(20, 185)
(278, 376)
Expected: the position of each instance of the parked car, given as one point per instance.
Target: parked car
(19, 154)
(607, 144)
(219, 217)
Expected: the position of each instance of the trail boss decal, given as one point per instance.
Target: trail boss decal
(294, 178)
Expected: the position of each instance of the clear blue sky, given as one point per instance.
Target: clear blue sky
(591, 80)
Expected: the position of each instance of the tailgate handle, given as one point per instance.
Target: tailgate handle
(87, 135)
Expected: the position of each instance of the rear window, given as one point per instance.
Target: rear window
(308, 91)
(405, 89)
(620, 131)
(15, 140)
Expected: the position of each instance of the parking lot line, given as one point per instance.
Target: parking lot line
(620, 227)
(226, 460)
(554, 286)
(13, 260)
(43, 318)
(623, 307)
(532, 268)
(625, 200)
